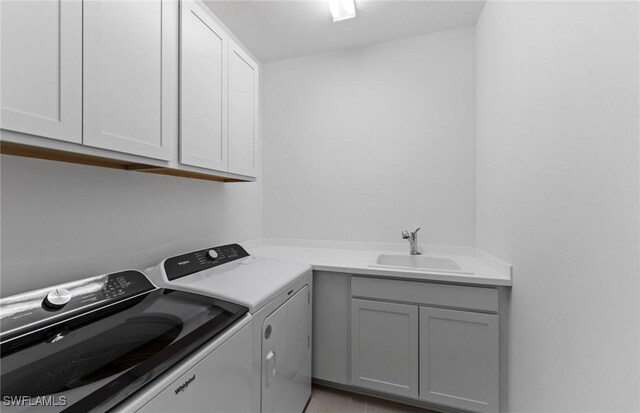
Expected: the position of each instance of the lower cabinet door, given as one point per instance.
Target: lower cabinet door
(384, 347)
(459, 359)
(331, 312)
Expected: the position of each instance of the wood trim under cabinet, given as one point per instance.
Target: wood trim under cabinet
(184, 174)
(27, 151)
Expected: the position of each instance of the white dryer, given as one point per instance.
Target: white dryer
(278, 295)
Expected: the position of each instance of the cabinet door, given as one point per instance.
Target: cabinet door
(459, 359)
(123, 76)
(331, 312)
(42, 68)
(243, 111)
(384, 347)
(203, 89)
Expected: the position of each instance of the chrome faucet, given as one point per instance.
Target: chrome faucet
(413, 241)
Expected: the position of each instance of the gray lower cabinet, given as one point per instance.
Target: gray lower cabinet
(397, 337)
(331, 312)
(459, 359)
(384, 347)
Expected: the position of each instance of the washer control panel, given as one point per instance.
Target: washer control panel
(28, 311)
(192, 262)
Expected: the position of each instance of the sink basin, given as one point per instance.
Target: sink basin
(417, 262)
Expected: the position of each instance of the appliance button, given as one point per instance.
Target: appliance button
(57, 298)
(212, 254)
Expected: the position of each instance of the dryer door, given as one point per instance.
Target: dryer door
(286, 356)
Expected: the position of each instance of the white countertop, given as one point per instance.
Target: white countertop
(355, 258)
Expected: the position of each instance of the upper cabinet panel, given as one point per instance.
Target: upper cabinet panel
(203, 89)
(123, 77)
(145, 78)
(42, 68)
(243, 112)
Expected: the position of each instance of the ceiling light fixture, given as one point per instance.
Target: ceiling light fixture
(342, 9)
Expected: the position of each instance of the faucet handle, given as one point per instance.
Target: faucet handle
(416, 231)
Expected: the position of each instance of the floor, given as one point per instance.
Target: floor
(328, 400)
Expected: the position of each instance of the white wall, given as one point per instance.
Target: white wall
(558, 197)
(62, 222)
(362, 143)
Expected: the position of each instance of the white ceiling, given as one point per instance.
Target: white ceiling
(275, 30)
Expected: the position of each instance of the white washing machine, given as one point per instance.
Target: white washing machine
(278, 295)
(115, 342)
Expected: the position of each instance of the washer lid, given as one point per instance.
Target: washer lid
(97, 359)
(252, 281)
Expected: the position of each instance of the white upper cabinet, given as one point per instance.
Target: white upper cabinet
(218, 96)
(125, 74)
(42, 68)
(155, 79)
(243, 112)
(203, 88)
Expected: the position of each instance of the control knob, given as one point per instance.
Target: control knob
(212, 254)
(57, 298)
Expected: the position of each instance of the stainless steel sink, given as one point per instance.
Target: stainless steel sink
(417, 262)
